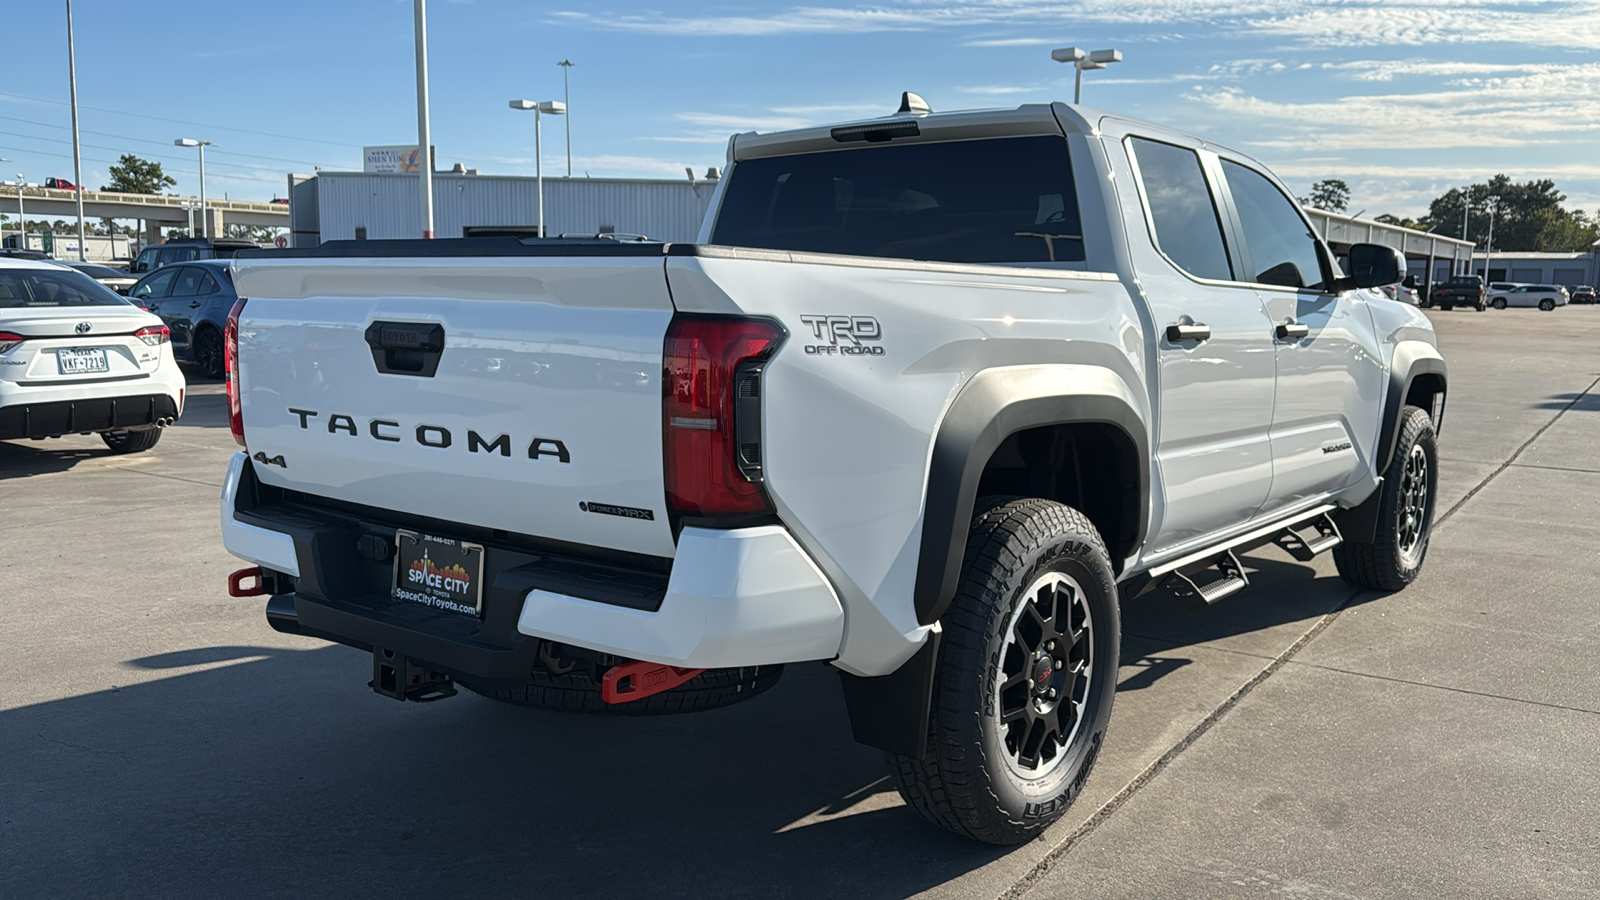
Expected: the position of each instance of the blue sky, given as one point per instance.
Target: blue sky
(1402, 99)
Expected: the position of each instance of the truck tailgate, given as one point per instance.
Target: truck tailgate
(521, 394)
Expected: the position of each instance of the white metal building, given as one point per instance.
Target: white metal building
(351, 205)
(1542, 268)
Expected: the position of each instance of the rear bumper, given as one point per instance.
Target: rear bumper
(738, 597)
(53, 418)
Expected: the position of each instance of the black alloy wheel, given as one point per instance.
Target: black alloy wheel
(208, 352)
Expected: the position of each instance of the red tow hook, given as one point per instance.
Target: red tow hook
(236, 586)
(638, 680)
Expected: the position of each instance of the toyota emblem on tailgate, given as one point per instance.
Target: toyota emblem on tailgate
(83, 327)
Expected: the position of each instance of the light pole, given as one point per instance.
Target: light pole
(1082, 61)
(201, 146)
(1466, 205)
(77, 154)
(566, 97)
(2, 222)
(22, 223)
(1488, 247)
(424, 140)
(539, 107)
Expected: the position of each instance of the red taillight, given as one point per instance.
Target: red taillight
(230, 337)
(709, 363)
(9, 340)
(154, 335)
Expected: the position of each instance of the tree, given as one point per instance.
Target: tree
(1330, 194)
(1527, 216)
(138, 176)
(1401, 221)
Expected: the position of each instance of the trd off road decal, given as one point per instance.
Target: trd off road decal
(845, 335)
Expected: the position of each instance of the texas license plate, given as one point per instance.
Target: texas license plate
(438, 572)
(80, 362)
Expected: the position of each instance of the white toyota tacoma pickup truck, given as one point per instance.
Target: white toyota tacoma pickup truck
(930, 397)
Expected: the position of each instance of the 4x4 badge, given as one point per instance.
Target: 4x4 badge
(266, 460)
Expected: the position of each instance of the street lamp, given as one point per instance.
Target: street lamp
(1466, 206)
(1082, 61)
(22, 223)
(539, 107)
(1488, 247)
(566, 97)
(201, 146)
(19, 209)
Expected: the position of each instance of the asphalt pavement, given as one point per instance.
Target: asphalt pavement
(1302, 738)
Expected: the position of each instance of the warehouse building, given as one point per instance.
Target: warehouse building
(330, 206)
(1568, 269)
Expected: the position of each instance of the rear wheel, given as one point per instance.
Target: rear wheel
(1481, 306)
(578, 690)
(131, 441)
(1026, 674)
(1547, 305)
(1445, 307)
(208, 352)
(1393, 558)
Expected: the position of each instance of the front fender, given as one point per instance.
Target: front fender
(995, 404)
(1411, 360)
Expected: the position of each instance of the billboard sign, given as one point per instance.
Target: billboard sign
(400, 159)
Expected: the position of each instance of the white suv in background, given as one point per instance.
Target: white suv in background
(1543, 296)
(75, 358)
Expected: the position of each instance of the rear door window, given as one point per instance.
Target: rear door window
(1182, 211)
(188, 281)
(1001, 200)
(170, 255)
(1280, 245)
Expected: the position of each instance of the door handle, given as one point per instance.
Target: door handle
(1293, 331)
(1177, 334)
(195, 305)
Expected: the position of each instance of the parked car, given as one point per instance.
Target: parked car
(193, 300)
(1497, 290)
(187, 250)
(19, 253)
(1542, 296)
(116, 279)
(76, 358)
(677, 475)
(1460, 290)
(1583, 293)
(1405, 292)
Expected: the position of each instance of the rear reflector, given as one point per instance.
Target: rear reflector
(703, 359)
(231, 361)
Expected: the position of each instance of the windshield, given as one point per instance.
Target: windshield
(43, 288)
(1001, 200)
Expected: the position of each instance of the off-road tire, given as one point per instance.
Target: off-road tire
(1499, 303)
(1385, 563)
(967, 781)
(131, 441)
(579, 691)
(209, 352)
(1481, 306)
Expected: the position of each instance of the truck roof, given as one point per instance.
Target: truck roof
(1025, 120)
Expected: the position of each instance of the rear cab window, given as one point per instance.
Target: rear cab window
(1183, 214)
(996, 200)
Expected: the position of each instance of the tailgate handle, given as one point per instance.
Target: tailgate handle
(406, 348)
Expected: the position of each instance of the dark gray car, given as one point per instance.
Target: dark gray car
(193, 300)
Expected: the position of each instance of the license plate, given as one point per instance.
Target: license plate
(79, 362)
(438, 572)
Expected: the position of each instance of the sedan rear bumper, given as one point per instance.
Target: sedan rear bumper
(59, 417)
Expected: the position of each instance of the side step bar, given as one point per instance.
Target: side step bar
(1215, 573)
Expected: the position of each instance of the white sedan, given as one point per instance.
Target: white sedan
(75, 358)
(1543, 296)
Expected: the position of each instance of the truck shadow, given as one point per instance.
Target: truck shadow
(276, 772)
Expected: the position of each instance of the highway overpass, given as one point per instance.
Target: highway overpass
(155, 209)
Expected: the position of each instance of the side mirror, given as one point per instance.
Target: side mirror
(1372, 265)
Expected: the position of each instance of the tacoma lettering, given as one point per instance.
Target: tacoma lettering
(437, 437)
